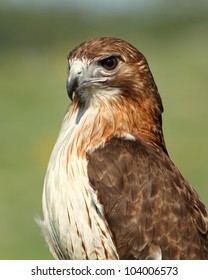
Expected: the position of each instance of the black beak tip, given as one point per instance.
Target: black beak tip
(71, 87)
(69, 94)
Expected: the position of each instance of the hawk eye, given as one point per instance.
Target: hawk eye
(109, 63)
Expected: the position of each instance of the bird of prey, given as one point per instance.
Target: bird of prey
(111, 190)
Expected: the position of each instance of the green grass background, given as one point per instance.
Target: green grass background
(33, 69)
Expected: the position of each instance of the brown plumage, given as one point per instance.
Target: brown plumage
(111, 190)
(147, 202)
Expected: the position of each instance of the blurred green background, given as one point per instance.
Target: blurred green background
(35, 37)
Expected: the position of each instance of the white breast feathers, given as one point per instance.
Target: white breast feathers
(74, 225)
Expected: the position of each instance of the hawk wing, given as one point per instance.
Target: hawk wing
(152, 211)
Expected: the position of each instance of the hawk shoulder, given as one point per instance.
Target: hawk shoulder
(150, 208)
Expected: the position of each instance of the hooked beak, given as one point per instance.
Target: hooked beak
(79, 79)
(74, 77)
(71, 86)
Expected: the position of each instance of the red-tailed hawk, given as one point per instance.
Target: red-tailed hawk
(111, 191)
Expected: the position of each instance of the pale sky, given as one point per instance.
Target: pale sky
(107, 5)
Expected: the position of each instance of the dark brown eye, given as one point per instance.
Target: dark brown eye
(109, 63)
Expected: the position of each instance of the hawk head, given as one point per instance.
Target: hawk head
(109, 71)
